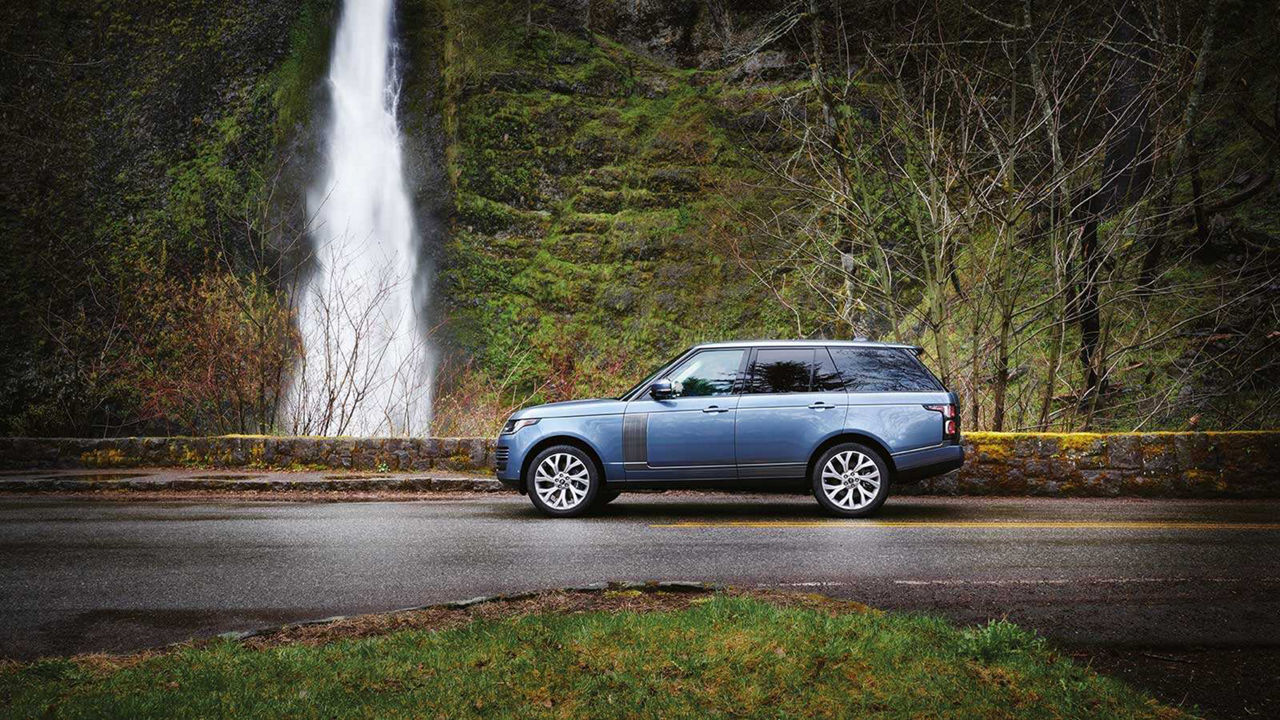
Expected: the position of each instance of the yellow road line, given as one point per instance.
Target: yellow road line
(980, 525)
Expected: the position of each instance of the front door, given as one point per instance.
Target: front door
(792, 400)
(691, 434)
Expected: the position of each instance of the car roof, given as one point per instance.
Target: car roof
(804, 343)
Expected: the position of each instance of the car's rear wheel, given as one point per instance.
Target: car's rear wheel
(563, 481)
(851, 480)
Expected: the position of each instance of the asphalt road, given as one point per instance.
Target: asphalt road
(1167, 579)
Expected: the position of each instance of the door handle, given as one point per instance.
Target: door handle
(820, 406)
(714, 409)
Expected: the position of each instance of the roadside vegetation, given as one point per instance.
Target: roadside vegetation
(624, 655)
(1064, 204)
(1072, 206)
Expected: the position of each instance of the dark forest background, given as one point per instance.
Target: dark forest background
(1072, 206)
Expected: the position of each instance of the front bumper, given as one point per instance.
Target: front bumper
(508, 472)
(510, 451)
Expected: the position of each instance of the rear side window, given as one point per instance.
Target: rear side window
(825, 376)
(882, 370)
(781, 370)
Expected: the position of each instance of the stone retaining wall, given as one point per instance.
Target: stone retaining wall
(251, 451)
(1212, 464)
(1163, 464)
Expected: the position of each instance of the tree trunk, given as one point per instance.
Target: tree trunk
(1126, 175)
(1086, 303)
(1001, 389)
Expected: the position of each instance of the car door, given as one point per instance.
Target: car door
(792, 400)
(691, 434)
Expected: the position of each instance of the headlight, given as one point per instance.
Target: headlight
(514, 425)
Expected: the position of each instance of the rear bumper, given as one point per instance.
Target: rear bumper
(920, 464)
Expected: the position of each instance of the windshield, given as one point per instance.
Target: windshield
(653, 375)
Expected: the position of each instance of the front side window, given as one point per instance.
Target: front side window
(781, 370)
(882, 370)
(711, 372)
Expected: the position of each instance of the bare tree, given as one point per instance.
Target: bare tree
(997, 196)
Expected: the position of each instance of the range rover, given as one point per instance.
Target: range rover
(843, 420)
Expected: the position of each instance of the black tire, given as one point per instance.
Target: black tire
(558, 496)
(853, 495)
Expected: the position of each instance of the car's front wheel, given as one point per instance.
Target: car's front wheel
(563, 481)
(851, 480)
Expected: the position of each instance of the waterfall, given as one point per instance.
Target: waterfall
(365, 368)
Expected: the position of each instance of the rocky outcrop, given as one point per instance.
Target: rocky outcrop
(1211, 464)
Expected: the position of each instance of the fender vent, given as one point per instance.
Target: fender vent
(635, 438)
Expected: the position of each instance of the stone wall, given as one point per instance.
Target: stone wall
(1212, 464)
(251, 451)
(1161, 464)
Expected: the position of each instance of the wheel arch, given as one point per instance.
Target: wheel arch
(550, 440)
(851, 436)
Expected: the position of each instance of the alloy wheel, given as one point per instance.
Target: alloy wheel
(561, 481)
(850, 480)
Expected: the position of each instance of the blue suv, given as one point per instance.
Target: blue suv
(842, 419)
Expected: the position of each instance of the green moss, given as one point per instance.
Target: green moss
(993, 449)
(628, 159)
(294, 82)
(480, 214)
(105, 457)
(1080, 442)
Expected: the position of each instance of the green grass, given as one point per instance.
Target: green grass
(723, 656)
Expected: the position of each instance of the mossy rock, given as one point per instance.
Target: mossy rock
(618, 298)
(610, 177)
(595, 200)
(674, 180)
(585, 223)
(480, 214)
(581, 247)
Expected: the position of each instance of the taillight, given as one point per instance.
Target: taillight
(950, 424)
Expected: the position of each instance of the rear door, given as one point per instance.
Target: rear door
(792, 400)
(689, 435)
(888, 391)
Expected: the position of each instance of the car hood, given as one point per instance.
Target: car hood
(572, 408)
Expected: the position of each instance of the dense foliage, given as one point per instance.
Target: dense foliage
(142, 284)
(1071, 206)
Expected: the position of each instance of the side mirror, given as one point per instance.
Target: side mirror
(661, 389)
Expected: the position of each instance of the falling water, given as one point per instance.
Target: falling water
(365, 369)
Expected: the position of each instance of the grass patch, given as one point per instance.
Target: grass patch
(606, 655)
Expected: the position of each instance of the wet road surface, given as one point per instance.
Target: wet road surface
(1167, 579)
